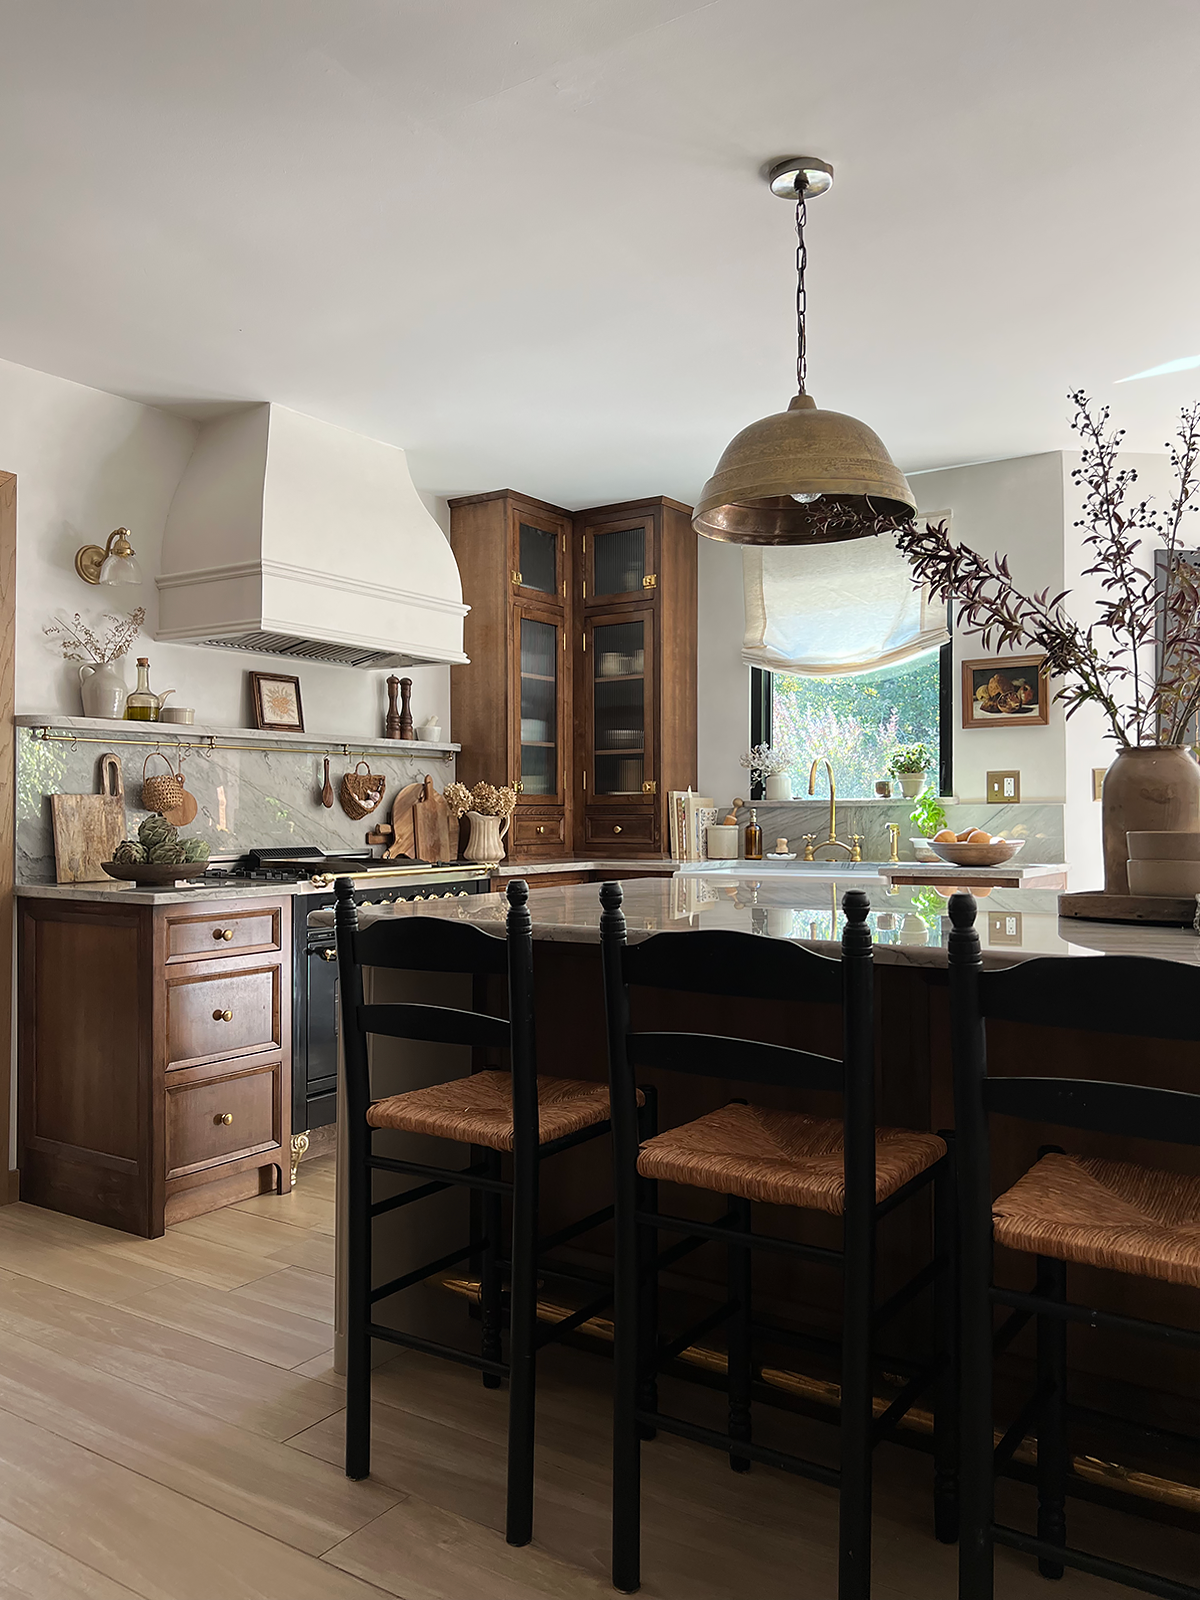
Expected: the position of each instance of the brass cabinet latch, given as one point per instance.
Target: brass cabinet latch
(516, 576)
(650, 581)
(650, 786)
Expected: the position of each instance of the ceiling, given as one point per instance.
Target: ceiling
(528, 240)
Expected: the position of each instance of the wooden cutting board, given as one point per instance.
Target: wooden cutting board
(403, 825)
(431, 817)
(89, 827)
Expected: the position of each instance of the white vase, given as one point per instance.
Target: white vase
(779, 786)
(103, 690)
(911, 784)
(486, 839)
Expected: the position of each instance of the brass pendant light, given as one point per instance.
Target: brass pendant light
(803, 476)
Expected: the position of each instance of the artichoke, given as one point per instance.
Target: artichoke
(167, 854)
(157, 830)
(195, 849)
(129, 850)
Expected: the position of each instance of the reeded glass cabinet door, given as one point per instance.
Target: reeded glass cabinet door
(540, 683)
(538, 557)
(620, 655)
(620, 561)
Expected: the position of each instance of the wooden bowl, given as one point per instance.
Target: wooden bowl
(149, 875)
(976, 855)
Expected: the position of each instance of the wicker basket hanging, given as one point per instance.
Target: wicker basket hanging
(158, 793)
(361, 792)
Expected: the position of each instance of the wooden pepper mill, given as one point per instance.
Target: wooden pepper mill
(399, 724)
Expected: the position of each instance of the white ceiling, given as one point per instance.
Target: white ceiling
(527, 239)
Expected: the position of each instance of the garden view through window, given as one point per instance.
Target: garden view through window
(858, 721)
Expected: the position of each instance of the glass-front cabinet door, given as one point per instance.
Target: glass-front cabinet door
(620, 656)
(619, 561)
(538, 705)
(538, 549)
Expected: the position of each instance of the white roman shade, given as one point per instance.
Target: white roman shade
(837, 608)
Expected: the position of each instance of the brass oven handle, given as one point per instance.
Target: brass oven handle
(223, 1119)
(222, 933)
(222, 1016)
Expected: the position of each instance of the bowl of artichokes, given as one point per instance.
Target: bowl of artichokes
(158, 856)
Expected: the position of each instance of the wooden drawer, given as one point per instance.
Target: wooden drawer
(534, 829)
(620, 829)
(214, 933)
(223, 1119)
(222, 1014)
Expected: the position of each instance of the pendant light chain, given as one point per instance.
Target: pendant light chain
(801, 295)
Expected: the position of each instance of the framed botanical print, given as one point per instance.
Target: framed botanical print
(277, 707)
(1005, 691)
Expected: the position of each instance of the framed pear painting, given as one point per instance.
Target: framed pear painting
(1005, 692)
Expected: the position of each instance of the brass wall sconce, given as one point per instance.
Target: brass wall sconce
(115, 563)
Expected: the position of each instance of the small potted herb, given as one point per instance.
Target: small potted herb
(909, 765)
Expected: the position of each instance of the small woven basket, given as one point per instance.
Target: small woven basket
(361, 792)
(158, 793)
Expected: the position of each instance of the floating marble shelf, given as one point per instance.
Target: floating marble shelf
(205, 737)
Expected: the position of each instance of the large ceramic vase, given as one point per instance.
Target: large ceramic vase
(486, 839)
(1150, 788)
(103, 689)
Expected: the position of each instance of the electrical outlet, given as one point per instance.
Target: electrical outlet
(1003, 788)
(1098, 782)
(1004, 927)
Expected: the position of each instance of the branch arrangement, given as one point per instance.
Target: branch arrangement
(1111, 661)
(81, 643)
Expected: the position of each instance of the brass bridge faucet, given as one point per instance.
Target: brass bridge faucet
(854, 851)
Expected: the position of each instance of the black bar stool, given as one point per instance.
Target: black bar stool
(515, 1112)
(1110, 1214)
(748, 1153)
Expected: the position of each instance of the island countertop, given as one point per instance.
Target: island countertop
(910, 925)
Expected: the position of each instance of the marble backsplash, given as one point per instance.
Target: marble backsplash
(246, 798)
(1040, 825)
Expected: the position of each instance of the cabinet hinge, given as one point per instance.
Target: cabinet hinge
(650, 786)
(516, 576)
(650, 581)
(564, 588)
(585, 644)
(585, 780)
(585, 588)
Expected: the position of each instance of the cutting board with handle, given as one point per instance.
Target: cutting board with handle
(89, 827)
(431, 817)
(403, 824)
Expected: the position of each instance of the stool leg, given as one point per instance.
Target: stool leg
(945, 1311)
(977, 1446)
(648, 1287)
(627, 1445)
(522, 1360)
(739, 1340)
(358, 1302)
(858, 1417)
(489, 1275)
(1052, 1456)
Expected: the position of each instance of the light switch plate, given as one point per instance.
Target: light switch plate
(1004, 927)
(1003, 788)
(1098, 782)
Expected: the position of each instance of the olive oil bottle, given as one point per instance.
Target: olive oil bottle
(141, 705)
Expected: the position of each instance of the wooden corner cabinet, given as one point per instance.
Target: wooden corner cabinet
(582, 683)
(154, 1057)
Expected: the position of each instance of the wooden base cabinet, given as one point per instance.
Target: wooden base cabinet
(154, 1057)
(582, 685)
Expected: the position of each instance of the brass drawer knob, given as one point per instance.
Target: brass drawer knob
(617, 829)
(541, 827)
(222, 933)
(223, 1119)
(222, 1016)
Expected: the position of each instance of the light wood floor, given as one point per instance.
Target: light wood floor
(170, 1429)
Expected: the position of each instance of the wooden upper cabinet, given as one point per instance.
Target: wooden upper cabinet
(539, 556)
(538, 704)
(621, 707)
(620, 560)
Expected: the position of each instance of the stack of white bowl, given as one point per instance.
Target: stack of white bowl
(1164, 863)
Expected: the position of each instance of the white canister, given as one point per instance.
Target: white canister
(184, 714)
(430, 731)
(722, 841)
(779, 786)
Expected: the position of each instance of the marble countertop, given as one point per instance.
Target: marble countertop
(909, 924)
(531, 869)
(130, 892)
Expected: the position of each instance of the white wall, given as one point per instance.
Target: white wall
(87, 462)
(722, 680)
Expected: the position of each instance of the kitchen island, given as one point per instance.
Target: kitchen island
(914, 1090)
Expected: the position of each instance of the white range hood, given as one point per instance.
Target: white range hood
(292, 537)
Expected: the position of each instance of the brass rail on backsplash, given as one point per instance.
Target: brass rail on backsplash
(212, 742)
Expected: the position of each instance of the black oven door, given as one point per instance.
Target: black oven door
(320, 1090)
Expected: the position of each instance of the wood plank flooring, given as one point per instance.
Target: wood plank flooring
(171, 1429)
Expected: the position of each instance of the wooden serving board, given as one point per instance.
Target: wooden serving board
(431, 817)
(1096, 905)
(403, 825)
(89, 827)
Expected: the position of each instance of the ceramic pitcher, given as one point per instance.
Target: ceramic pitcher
(486, 840)
(103, 689)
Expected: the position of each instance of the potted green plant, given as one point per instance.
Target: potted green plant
(909, 765)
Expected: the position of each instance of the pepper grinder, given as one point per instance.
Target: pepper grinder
(407, 731)
(391, 726)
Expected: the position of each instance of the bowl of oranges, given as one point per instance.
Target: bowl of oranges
(974, 848)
